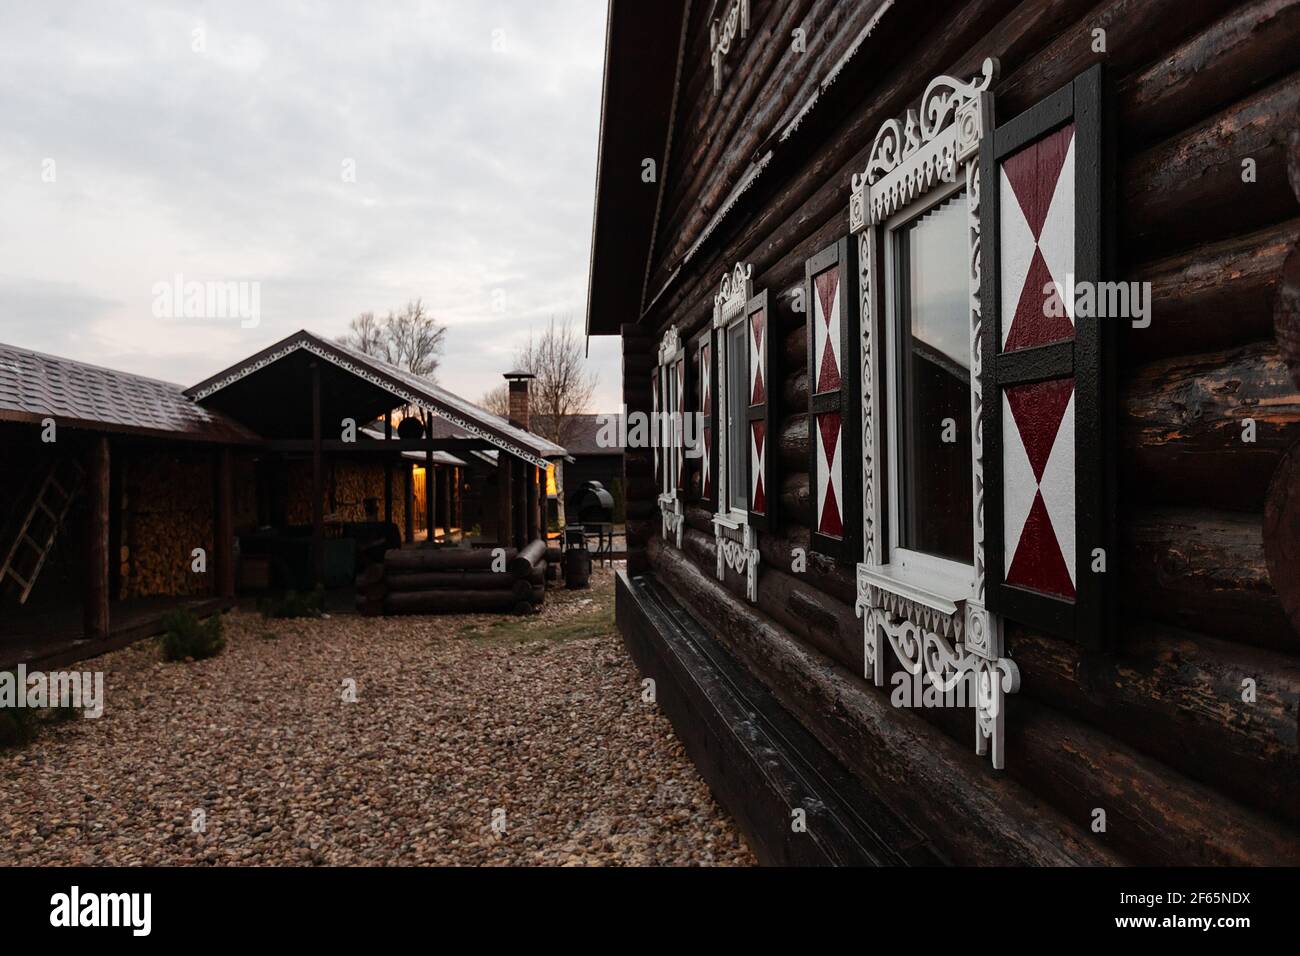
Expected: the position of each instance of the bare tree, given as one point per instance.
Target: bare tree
(496, 401)
(411, 339)
(563, 385)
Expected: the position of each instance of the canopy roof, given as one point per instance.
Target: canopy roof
(271, 393)
(35, 386)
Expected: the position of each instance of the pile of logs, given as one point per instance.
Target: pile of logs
(454, 580)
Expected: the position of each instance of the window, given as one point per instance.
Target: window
(930, 298)
(737, 403)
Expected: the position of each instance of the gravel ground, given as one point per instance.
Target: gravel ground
(537, 723)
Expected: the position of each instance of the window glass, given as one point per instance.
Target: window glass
(737, 406)
(933, 310)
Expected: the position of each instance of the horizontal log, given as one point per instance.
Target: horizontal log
(1186, 430)
(890, 750)
(1155, 816)
(1205, 571)
(412, 560)
(1214, 297)
(1282, 535)
(1178, 697)
(533, 554)
(1167, 818)
(1191, 189)
(1228, 59)
(1286, 310)
(796, 499)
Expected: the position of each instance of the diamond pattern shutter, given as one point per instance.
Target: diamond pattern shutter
(706, 376)
(762, 492)
(1047, 400)
(834, 464)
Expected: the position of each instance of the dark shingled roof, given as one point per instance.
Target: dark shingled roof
(583, 432)
(398, 382)
(34, 386)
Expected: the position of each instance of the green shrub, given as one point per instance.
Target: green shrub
(18, 725)
(294, 604)
(186, 636)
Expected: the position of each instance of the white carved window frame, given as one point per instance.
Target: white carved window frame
(669, 432)
(735, 542)
(936, 623)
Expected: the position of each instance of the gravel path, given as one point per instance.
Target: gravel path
(534, 723)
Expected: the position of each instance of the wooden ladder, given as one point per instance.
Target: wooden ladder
(36, 534)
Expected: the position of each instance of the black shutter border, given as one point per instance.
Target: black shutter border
(841, 254)
(1090, 357)
(766, 520)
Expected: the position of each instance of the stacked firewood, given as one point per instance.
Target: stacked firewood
(455, 580)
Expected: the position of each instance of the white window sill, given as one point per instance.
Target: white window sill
(926, 589)
(734, 521)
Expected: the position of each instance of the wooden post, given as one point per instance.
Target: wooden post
(446, 502)
(388, 471)
(224, 529)
(505, 500)
(408, 469)
(95, 600)
(530, 480)
(317, 487)
(457, 478)
(430, 495)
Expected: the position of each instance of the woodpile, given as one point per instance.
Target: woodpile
(455, 580)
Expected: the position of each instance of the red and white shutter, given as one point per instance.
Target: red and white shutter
(762, 492)
(833, 440)
(707, 409)
(1048, 410)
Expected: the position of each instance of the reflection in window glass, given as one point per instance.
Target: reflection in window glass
(737, 407)
(933, 310)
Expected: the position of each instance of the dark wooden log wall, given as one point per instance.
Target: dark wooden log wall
(1156, 732)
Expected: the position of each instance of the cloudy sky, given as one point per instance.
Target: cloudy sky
(215, 141)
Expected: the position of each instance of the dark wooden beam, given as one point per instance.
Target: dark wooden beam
(430, 495)
(505, 500)
(317, 490)
(408, 470)
(530, 481)
(225, 524)
(446, 501)
(388, 471)
(95, 601)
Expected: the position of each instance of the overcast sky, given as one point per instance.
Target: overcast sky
(471, 126)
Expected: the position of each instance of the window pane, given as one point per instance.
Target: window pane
(737, 409)
(934, 332)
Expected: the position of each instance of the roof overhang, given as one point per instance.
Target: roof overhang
(270, 389)
(642, 48)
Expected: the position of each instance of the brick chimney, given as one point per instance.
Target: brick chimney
(519, 403)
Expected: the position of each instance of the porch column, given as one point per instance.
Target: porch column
(317, 485)
(95, 598)
(388, 470)
(224, 530)
(408, 469)
(530, 481)
(446, 501)
(430, 493)
(505, 500)
(521, 503)
(457, 508)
